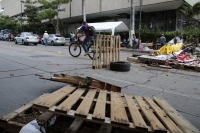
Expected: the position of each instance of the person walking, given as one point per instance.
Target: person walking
(9, 36)
(162, 40)
(45, 36)
(88, 37)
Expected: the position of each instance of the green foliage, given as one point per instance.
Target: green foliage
(33, 23)
(9, 23)
(51, 10)
(191, 30)
(190, 11)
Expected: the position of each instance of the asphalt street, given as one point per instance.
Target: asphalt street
(20, 66)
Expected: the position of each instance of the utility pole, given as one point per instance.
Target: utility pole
(140, 18)
(57, 23)
(84, 15)
(21, 15)
(132, 21)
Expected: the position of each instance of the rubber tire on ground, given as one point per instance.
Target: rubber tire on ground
(121, 66)
(78, 48)
(35, 43)
(23, 43)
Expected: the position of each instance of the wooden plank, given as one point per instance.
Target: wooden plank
(55, 97)
(74, 127)
(22, 109)
(184, 124)
(85, 105)
(118, 112)
(100, 50)
(70, 101)
(163, 116)
(68, 79)
(100, 108)
(154, 122)
(44, 117)
(105, 129)
(135, 114)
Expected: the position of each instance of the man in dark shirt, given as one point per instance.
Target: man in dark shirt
(84, 28)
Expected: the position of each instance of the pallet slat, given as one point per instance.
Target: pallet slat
(163, 116)
(118, 112)
(85, 105)
(55, 97)
(184, 124)
(135, 114)
(99, 111)
(154, 122)
(70, 101)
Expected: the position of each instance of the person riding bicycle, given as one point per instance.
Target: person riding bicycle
(88, 37)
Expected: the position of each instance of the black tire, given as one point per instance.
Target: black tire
(35, 43)
(74, 49)
(15, 41)
(23, 43)
(91, 51)
(121, 66)
(52, 43)
(63, 44)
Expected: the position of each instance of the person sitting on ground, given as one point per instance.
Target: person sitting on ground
(134, 42)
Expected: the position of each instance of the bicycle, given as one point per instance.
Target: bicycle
(75, 47)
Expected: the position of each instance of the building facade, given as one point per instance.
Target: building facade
(161, 14)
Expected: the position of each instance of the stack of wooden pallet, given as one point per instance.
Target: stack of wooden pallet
(116, 109)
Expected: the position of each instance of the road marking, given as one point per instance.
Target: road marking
(144, 86)
(6, 53)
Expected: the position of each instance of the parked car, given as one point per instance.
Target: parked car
(39, 38)
(6, 38)
(26, 37)
(55, 39)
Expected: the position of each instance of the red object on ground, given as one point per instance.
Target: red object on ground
(183, 56)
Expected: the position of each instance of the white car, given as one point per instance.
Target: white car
(26, 37)
(55, 39)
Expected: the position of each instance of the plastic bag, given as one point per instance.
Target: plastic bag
(31, 127)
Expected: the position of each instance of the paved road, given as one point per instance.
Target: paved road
(19, 84)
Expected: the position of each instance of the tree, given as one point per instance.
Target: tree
(51, 10)
(190, 11)
(9, 23)
(31, 13)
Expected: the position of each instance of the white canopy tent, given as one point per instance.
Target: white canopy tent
(109, 27)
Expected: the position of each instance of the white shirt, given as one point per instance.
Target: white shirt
(46, 35)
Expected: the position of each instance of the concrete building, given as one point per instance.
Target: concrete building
(162, 14)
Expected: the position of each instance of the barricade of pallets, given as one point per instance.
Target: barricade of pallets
(106, 49)
(115, 109)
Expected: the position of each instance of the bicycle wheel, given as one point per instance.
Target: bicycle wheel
(74, 49)
(91, 51)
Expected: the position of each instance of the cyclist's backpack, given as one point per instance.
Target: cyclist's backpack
(91, 30)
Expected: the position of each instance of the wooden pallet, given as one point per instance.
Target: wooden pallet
(11, 126)
(115, 109)
(159, 61)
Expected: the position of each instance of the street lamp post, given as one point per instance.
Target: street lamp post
(21, 15)
(84, 15)
(132, 21)
(140, 18)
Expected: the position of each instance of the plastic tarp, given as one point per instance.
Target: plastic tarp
(118, 26)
